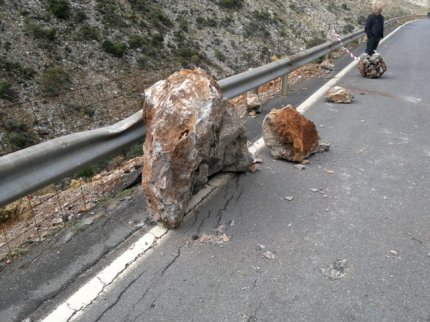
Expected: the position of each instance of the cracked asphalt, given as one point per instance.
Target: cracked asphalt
(352, 245)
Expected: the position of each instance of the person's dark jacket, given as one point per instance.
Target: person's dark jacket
(374, 26)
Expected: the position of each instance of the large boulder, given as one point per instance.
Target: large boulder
(191, 134)
(338, 94)
(371, 66)
(289, 135)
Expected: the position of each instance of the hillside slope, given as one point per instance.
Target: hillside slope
(50, 46)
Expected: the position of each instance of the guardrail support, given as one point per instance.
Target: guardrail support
(284, 85)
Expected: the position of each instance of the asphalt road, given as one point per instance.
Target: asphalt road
(353, 244)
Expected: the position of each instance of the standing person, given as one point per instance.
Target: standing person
(374, 29)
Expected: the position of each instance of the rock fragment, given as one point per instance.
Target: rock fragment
(338, 94)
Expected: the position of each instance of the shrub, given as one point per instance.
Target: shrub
(158, 18)
(219, 55)
(361, 20)
(262, 16)
(187, 55)
(87, 32)
(348, 28)
(12, 69)
(54, 81)
(6, 91)
(135, 41)
(19, 134)
(314, 42)
(157, 39)
(39, 32)
(116, 48)
(80, 16)
(183, 24)
(59, 8)
(231, 4)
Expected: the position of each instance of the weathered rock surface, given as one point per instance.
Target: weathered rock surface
(338, 94)
(289, 135)
(371, 66)
(191, 134)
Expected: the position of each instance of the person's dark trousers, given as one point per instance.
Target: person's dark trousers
(372, 44)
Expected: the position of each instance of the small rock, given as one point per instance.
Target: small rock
(268, 255)
(393, 252)
(314, 189)
(336, 270)
(261, 246)
(289, 198)
(57, 221)
(329, 171)
(300, 166)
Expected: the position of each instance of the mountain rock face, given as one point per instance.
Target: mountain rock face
(192, 134)
(97, 40)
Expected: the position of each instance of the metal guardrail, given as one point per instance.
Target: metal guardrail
(27, 170)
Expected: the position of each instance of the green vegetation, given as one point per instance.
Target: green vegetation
(54, 81)
(183, 24)
(40, 32)
(188, 55)
(87, 33)
(15, 70)
(263, 16)
(116, 48)
(6, 91)
(230, 4)
(59, 8)
(314, 42)
(19, 133)
(348, 28)
(157, 39)
(87, 172)
(135, 41)
(361, 20)
(206, 22)
(219, 55)
(254, 29)
(80, 16)
(109, 11)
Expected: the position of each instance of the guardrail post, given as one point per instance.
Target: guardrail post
(284, 85)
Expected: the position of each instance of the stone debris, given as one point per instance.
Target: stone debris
(336, 270)
(394, 253)
(371, 66)
(268, 255)
(211, 239)
(338, 94)
(327, 65)
(191, 134)
(289, 198)
(289, 135)
(300, 166)
(253, 103)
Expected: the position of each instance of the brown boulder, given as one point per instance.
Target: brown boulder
(289, 135)
(191, 134)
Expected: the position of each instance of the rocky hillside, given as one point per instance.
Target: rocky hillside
(50, 46)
